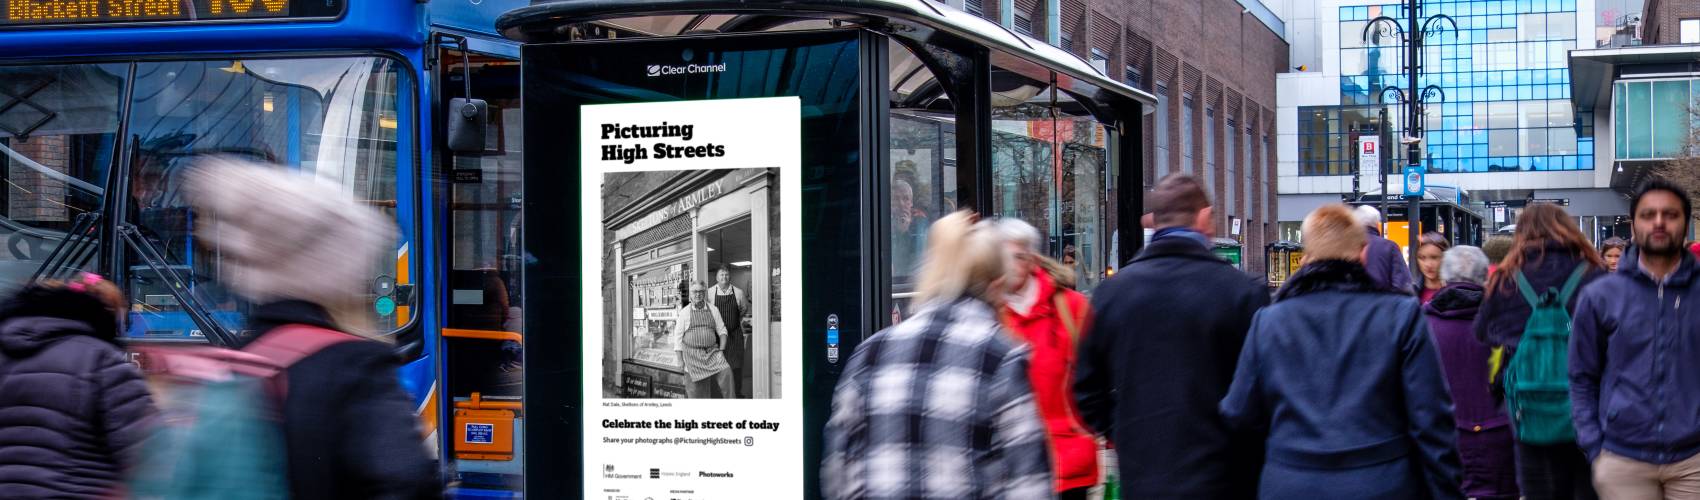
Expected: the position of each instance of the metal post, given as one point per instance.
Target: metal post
(1386, 140)
(1413, 113)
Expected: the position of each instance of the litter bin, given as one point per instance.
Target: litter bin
(1228, 249)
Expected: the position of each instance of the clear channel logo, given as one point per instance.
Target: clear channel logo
(655, 70)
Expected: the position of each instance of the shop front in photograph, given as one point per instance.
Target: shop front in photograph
(672, 229)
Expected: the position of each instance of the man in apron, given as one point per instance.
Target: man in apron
(702, 336)
(730, 302)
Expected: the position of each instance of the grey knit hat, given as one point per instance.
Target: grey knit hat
(286, 235)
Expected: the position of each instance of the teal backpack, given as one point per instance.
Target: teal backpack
(1537, 381)
(220, 435)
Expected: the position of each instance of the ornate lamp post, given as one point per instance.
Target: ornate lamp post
(1413, 101)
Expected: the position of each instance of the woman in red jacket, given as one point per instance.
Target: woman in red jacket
(1044, 311)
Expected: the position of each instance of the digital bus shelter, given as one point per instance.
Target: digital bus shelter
(743, 188)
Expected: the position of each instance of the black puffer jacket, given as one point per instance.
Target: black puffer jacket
(72, 407)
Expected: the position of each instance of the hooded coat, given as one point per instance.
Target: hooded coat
(1074, 451)
(1504, 312)
(1484, 432)
(1342, 377)
(1634, 383)
(73, 409)
(1386, 263)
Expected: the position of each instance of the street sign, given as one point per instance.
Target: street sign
(1369, 154)
(1413, 180)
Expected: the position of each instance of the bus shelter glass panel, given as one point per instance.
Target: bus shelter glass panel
(332, 118)
(1087, 209)
(922, 169)
(58, 128)
(1024, 160)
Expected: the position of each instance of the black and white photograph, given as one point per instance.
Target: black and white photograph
(690, 284)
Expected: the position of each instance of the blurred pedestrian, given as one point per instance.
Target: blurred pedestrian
(73, 409)
(1484, 432)
(1549, 254)
(1429, 253)
(1496, 247)
(1612, 251)
(1633, 377)
(1342, 376)
(1050, 318)
(1160, 355)
(1384, 262)
(940, 406)
(303, 256)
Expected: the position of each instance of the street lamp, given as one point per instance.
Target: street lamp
(1414, 101)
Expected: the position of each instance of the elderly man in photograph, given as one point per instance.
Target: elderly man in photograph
(702, 340)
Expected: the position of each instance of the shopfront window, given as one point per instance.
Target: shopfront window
(58, 131)
(334, 118)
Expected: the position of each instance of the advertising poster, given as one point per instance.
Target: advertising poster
(692, 375)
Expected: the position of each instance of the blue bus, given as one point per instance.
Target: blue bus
(105, 103)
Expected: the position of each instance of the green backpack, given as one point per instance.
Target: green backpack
(1537, 381)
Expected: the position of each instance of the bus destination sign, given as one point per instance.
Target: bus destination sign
(20, 13)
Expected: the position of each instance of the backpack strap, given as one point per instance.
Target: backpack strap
(289, 344)
(1571, 284)
(1527, 289)
(1070, 323)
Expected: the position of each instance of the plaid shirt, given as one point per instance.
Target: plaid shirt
(938, 406)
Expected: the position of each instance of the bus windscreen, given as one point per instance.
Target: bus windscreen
(34, 13)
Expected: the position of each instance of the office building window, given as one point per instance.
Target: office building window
(1099, 60)
(1186, 134)
(975, 7)
(1505, 75)
(1160, 131)
(1023, 24)
(1134, 78)
(1691, 31)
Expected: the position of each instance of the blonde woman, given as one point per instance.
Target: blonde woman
(952, 367)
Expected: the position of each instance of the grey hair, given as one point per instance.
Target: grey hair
(1464, 263)
(1014, 230)
(1367, 216)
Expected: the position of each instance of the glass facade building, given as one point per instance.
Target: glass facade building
(1654, 119)
(1503, 72)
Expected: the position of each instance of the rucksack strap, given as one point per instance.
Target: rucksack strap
(1070, 323)
(287, 344)
(1571, 284)
(1527, 290)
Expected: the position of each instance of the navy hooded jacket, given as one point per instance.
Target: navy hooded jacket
(1634, 380)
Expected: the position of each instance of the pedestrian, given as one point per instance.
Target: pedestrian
(302, 257)
(1546, 252)
(940, 406)
(1050, 318)
(1612, 251)
(1484, 432)
(73, 409)
(1633, 379)
(1160, 355)
(731, 303)
(1429, 253)
(1384, 262)
(702, 346)
(1496, 247)
(1341, 375)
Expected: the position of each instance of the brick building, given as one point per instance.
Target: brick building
(1666, 22)
(1212, 64)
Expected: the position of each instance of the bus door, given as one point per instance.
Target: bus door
(482, 344)
(701, 259)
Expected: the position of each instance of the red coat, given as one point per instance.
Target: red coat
(1074, 450)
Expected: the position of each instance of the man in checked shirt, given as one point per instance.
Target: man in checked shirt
(939, 406)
